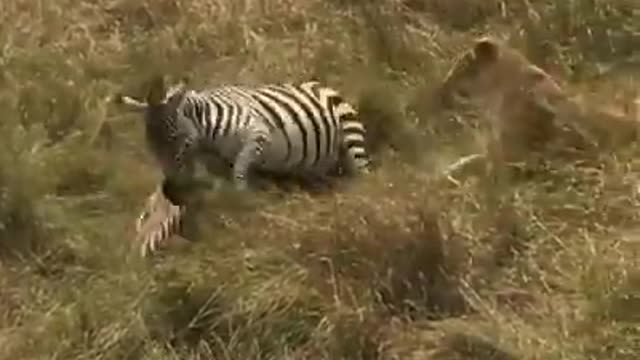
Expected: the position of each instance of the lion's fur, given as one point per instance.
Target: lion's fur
(528, 108)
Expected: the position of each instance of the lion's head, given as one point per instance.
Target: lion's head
(517, 95)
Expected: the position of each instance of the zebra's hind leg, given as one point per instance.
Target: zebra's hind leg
(353, 160)
(353, 156)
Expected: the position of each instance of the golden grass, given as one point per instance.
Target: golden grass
(402, 264)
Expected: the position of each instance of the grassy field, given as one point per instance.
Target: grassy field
(398, 265)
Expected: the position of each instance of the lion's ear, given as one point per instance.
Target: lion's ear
(157, 91)
(486, 50)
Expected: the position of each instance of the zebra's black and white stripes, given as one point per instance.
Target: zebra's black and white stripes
(305, 129)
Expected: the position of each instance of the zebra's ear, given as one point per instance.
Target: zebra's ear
(157, 91)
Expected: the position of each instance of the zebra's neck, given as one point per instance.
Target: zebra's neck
(216, 117)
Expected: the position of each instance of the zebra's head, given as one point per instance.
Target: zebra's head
(162, 116)
(160, 97)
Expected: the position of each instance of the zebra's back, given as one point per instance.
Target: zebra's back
(307, 125)
(287, 129)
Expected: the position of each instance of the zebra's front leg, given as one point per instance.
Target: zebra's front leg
(249, 155)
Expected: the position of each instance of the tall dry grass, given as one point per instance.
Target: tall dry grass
(399, 265)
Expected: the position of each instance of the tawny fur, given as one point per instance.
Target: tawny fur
(529, 109)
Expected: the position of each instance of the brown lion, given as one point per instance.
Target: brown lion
(529, 110)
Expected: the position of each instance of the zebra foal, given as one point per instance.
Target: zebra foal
(303, 130)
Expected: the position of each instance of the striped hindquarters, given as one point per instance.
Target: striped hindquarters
(311, 126)
(306, 129)
(351, 130)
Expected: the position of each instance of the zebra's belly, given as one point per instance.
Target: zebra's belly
(279, 156)
(282, 158)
